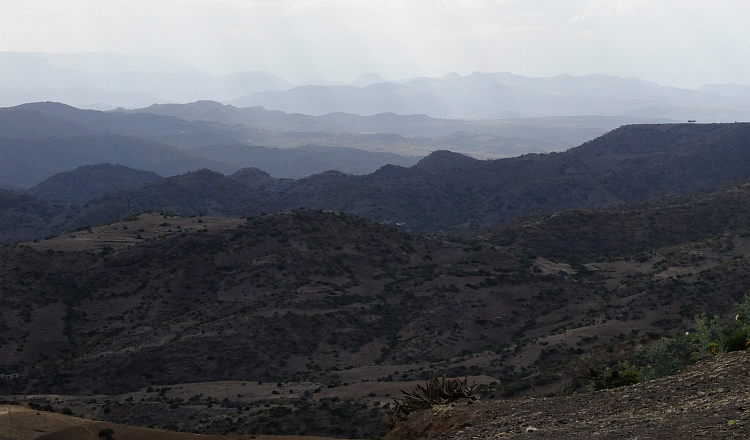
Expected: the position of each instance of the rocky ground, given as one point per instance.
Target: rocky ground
(710, 399)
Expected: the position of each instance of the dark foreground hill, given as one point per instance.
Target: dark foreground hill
(325, 301)
(707, 400)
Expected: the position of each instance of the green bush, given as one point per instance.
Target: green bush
(656, 363)
(736, 341)
(712, 337)
(621, 375)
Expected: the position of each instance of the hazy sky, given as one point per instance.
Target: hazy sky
(684, 43)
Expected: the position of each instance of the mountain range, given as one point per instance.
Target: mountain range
(39, 140)
(450, 192)
(444, 192)
(251, 304)
(107, 81)
(212, 261)
(504, 95)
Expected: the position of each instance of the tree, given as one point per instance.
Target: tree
(106, 433)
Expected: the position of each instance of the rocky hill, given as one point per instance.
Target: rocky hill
(707, 400)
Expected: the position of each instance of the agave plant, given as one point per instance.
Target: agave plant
(437, 391)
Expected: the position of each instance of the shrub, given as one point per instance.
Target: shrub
(736, 341)
(707, 333)
(659, 362)
(437, 391)
(621, 375)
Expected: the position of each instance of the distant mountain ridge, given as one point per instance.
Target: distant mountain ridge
(38, 140)
(504, 95)
(413, 133)
(112, 80)
(108, 81)
(301, 161)
(404, 125)
(27, 162)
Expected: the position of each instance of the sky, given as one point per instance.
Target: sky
(683, 43)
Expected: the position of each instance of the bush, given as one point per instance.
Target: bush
(736, 341)
(659, 362)
(622, 375)
(436, 391)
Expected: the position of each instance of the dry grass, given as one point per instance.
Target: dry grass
(145, 227)
(28, 424)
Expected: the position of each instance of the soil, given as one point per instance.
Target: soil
(710, 399)
(30, 424)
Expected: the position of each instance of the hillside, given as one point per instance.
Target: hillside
(302, 161)
(27, 162)
(630, 230)
(302, 301)
(453, 193)
(304, 321)
(32, 123)
(90, 182)
(23, 217)
(163, 129)
(707, 400)
(38, 140)
(457, 194)
(29, 424)
(572, 130)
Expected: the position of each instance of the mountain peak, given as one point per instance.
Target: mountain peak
(91, 181)
(252, 176)
(444, 160)
(368, 79)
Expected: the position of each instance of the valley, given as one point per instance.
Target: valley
(247, 304)
(389, 220)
